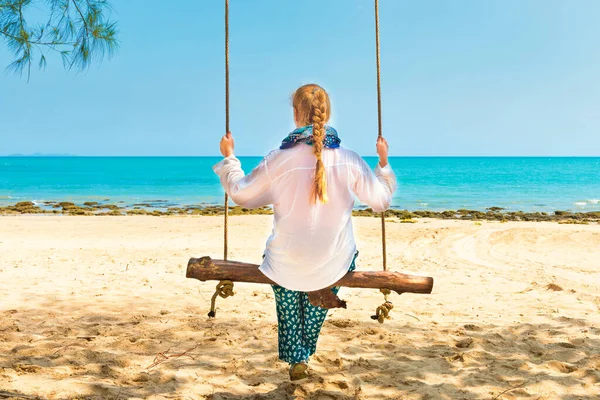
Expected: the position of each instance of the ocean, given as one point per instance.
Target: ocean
(530, 184)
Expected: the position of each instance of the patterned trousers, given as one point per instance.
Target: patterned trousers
(299, 323)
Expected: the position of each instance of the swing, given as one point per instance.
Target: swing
(227, 272)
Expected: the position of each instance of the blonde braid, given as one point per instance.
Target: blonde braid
(318, 119)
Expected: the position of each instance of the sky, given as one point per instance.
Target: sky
(459, 78)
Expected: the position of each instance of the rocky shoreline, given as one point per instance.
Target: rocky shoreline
(404, 216)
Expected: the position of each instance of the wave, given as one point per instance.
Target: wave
(594, 201)
(580, 203)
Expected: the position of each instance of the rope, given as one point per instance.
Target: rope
(378, 68)
(379, 125)
(383, 310)
(226, 225)
(226, 65)
(224, 289)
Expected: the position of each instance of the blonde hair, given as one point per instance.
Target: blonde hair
(312, 106)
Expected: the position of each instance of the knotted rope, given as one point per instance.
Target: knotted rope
(383, 311)
(224, 289)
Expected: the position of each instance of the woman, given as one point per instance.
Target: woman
(311, 182)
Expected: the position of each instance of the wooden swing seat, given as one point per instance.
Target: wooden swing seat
(207, 269)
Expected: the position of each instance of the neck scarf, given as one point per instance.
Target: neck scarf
(304, 134)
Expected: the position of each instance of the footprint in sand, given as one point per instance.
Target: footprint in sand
(27, 369)
(561, 367)
(342, 384)
(141, 377)
(342, 323)
(464, 343)
(472, 327)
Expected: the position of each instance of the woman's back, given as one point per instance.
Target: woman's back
(293, 172)
(312, 233)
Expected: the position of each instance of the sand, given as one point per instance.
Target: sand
(88, 304)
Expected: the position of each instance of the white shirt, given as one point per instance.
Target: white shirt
(312, 245)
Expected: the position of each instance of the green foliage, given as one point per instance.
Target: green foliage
(79, 30)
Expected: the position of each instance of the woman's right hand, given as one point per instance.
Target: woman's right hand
(227, 145)
(382, 151)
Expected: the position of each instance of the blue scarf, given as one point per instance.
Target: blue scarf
(304, 134)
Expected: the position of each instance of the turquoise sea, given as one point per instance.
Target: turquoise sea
(425, 183)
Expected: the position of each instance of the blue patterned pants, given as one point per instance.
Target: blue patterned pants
(299, 323)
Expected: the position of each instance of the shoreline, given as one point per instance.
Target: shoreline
(405, 216)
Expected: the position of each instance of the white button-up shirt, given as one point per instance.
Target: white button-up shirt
(312, 245)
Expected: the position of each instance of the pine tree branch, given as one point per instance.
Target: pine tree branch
(76, 29)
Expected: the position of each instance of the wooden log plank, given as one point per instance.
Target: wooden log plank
(207, 269)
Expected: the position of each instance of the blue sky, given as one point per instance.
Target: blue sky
(464, 77)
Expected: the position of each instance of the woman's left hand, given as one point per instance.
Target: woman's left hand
(227, 145)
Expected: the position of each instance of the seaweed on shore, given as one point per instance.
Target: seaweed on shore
(493, 214)
(112, 212)
(403, 216)
(22, 207)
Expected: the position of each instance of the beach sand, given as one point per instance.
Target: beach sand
(87, 304)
